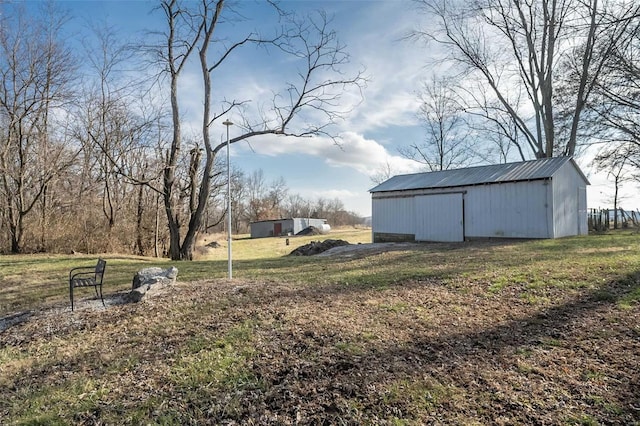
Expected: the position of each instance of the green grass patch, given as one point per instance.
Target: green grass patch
(59, 405)
(397, 308)
(415, 396)
(350, 348)
(551, 343)
(220, 364)
(582, 420)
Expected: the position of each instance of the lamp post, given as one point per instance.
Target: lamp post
(229, 252)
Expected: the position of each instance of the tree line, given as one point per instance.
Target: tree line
(94, 155)
(254, 198)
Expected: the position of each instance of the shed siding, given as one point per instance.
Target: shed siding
(439, 217)
(260, 230)
(505, 210)
(301, 223)
(569, 203)
(266, 228)
(508, 210)
(583, 217)
(393, 216)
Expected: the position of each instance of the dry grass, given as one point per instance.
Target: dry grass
(541, 332)
(245, 248)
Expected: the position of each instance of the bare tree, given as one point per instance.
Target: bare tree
(616, 163)
(296, 206)
(514, 45)
(257, 200)
(382, 173)
(278, 191)
(447, 137)
(615, 110)
(191, 31)
(488, 118)
(613, 115)
(264, 200)
(36, 74)
(117, 133)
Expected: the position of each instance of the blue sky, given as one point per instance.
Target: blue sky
(381, 122)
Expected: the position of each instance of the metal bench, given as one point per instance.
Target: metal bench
(87, 277)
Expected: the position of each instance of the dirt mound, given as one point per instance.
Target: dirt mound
(315, 247)
(309, 230)
(213, 244)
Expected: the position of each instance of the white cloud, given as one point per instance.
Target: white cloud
(366, 156)
(337, 193)
(395, 67)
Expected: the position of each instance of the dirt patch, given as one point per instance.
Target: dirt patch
(360, 250)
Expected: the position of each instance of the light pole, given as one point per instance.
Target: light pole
(230, 267)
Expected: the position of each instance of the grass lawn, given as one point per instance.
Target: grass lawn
(519, 332)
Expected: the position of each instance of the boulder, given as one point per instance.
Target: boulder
(148, 281)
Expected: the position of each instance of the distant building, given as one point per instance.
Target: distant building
(291, 226)
(543, 198)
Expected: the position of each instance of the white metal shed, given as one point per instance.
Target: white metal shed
(288, 226)
(543, 198)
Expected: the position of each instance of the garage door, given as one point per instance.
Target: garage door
(439, 217)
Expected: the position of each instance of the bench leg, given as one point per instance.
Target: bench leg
(71, 294)
(101, 298)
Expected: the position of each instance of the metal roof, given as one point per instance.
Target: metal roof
(496, 173)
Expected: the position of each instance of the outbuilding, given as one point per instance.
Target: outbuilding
(290, 226)
(543, 198)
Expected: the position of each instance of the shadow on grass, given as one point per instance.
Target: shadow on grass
(582, 326)
(482, 364)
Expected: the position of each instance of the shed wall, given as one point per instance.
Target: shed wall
(300, 223)
(569, 203)
(260, 229)
(439, 217)
(267, 228)
(542, 207)
(505, 210)
(393, 219)
(509, 210)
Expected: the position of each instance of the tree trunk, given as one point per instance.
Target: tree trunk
(43, 226)
(139, 213)
(156, 250)
(17, 232)
(615, 203)
(15, 241)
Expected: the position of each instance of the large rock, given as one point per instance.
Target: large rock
(148, 281)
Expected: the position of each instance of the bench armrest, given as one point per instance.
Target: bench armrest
(84, 270)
